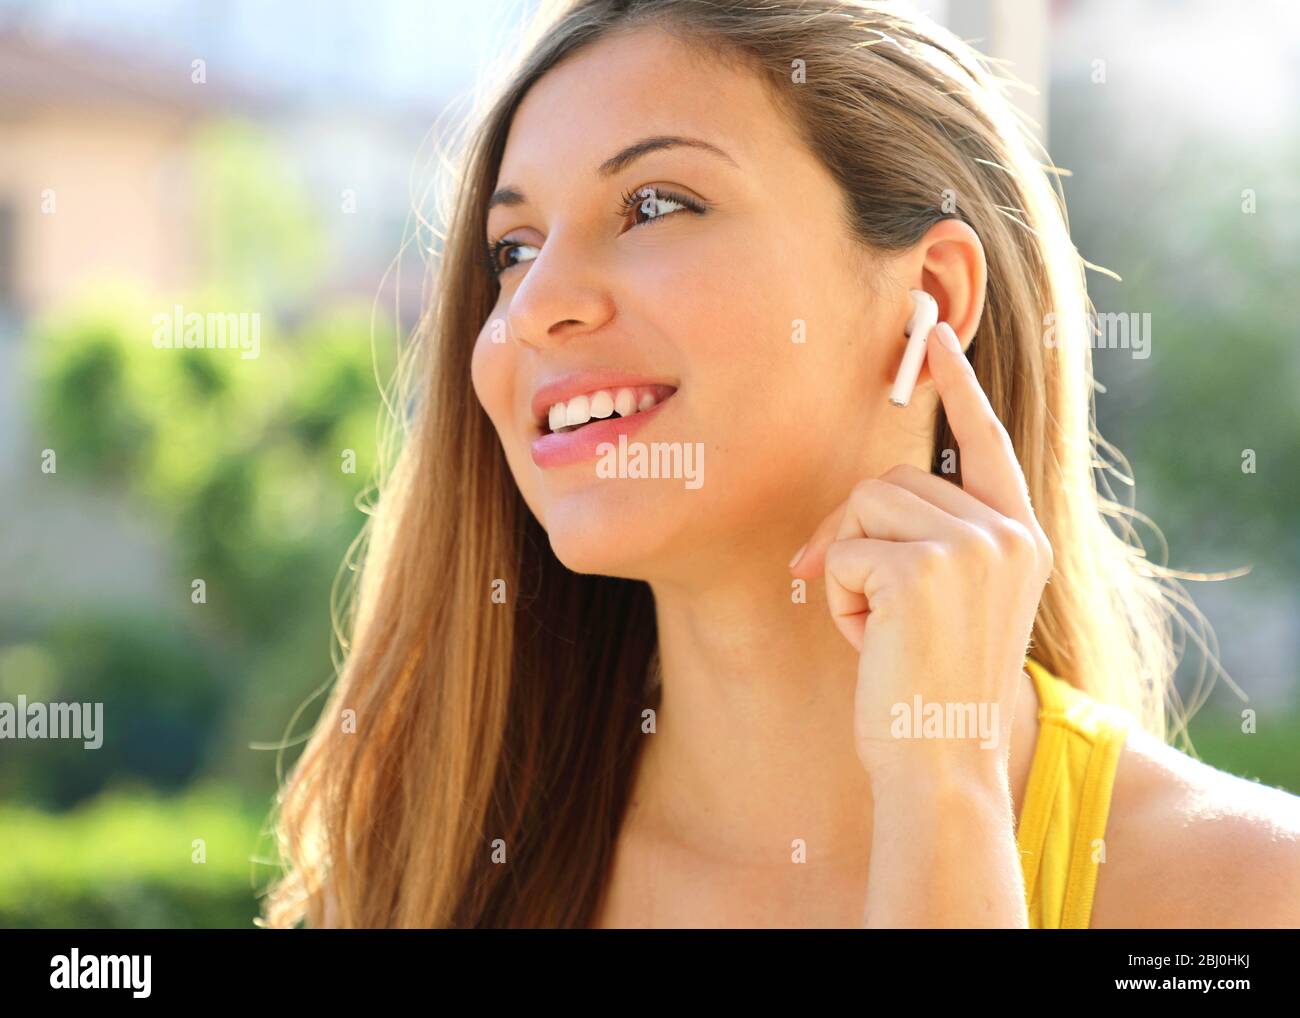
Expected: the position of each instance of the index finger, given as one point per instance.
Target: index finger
(989, 468)
(809, 559)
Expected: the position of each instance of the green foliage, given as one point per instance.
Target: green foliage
(1270, 755)
(128, 860)
(1224, 365)
(236, 463)
(260, 233)
(162, 703)
(241, 460)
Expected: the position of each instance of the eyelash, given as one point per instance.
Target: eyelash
(628, 202)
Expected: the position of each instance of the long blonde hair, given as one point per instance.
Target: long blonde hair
(489, 733)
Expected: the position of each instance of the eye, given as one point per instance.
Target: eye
(497, 248)
(656, 203)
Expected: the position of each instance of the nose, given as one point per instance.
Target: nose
(562, 296)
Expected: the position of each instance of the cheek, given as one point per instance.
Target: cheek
(494, 376)
(492, 372)
(779, 347)
(777, 339)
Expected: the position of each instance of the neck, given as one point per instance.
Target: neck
(754, 733)
(753, 745)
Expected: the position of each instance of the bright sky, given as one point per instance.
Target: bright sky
(399, 51)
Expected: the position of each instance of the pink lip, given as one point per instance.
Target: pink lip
(563, 448)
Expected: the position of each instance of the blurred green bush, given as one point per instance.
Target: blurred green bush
(249, 472)
(246, 473)
(1270, 755)
(163, 703)
(133, 859)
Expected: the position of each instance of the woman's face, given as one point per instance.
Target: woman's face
(732, 299)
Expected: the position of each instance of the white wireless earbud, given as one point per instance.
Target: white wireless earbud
(925, 316)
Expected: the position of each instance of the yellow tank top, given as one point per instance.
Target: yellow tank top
(1067, 800)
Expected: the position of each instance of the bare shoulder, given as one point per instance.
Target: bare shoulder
(1191, 846)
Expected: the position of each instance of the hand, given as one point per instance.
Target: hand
(937, 587)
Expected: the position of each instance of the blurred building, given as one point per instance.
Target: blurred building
(97, 174)
(98, 184)
(94, 177)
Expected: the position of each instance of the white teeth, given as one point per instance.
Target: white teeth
(599, 405)
(578, 411)
(602, 404)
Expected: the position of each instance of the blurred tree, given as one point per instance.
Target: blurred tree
(261, 237)
(249, 467)
(162, 703)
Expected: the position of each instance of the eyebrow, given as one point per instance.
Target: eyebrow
(620, 161)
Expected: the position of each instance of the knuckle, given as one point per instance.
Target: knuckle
(901, 472)
(868, 489)
(1014, 541)
(929, 561)
(979, 549)
(974, 542)
(1046, 555)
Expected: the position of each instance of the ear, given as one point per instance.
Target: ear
(948, 263)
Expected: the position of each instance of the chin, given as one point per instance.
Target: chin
(624, 528)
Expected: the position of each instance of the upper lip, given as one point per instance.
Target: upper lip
(564, 388)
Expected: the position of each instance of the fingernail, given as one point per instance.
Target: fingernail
(798, 555)
(948, 338)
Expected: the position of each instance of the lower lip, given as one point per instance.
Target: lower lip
(567, 447)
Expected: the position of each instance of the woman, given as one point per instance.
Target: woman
(583, 693)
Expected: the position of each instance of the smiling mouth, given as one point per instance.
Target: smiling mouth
(603, 405)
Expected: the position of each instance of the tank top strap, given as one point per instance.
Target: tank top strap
(1047, 686)
(1062, 823)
